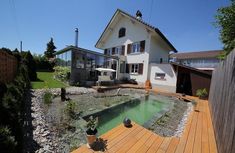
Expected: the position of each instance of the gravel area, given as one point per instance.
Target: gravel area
(172, 123)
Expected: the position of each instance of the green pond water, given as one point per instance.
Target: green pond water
(138, 111)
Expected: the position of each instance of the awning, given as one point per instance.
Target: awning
(105, 70)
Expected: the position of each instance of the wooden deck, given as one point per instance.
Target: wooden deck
(198, 137)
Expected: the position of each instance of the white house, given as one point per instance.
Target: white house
(142, 49)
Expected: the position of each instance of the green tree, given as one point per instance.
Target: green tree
(225, 21)
(49, 53)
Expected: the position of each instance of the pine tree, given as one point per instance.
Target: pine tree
(49, 53)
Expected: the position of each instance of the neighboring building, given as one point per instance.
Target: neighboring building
(141, 49)
(202, 60)
(82, 63)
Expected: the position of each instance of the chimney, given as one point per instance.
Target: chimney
(138, 15)
(76, 37)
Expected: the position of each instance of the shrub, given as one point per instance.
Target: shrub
(31, 65)
(7, 141)
(42, 63)
(62, 73)
(202, 93)
(12, 108)
(70, 109)
(47, 97)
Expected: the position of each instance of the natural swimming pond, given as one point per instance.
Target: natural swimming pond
(138, 110)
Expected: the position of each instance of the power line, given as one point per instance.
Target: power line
(13, 11)
(151, 7)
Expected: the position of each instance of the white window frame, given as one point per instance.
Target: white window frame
(160, 76)
(109, 51)
(118, 50)
(134, 69)
(135, 47)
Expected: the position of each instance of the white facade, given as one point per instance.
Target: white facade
(167, 82)
(156, 49)
(134, 33)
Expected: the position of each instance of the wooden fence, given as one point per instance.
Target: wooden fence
(222, 104)
(8, 67)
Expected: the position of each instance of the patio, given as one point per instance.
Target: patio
(198, 136)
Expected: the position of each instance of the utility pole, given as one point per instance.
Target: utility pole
(20, 46)
(76, 37)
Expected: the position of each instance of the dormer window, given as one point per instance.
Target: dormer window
(122, 32)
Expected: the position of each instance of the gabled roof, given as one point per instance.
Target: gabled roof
(140, 21)
(198, 54)
(192, 69)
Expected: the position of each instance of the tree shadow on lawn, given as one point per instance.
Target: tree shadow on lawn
(38, 80)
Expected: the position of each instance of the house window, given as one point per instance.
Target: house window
(118, 50)
(80, 61)
(135, 47)
(134, 68)
(122, 32)
(160, 76)
(108, 51)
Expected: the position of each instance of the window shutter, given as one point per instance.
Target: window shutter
(127, 68)
(113, 50)
(142, 46)
(123, 50)
(141, 68)
(105, 51)
(128, 48)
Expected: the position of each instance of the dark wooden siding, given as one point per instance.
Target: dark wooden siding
(8, 67)
(222, 104)
(123, 50)
(142, 46)
(189, 80)
(141, 66)
(113, 50)
(128, 48)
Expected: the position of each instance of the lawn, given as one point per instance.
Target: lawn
(45, 79)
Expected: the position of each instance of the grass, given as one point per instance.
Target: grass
(46, 80)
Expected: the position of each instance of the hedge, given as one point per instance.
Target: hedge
(12, 109)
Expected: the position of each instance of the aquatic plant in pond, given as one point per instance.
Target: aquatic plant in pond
(47, 97)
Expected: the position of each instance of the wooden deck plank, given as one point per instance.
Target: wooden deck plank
(154, 147)
(124, 140)
(128, 144)
(191, 136)
(172, 146)
(165, 143)
(119, 132)
(183, 140)
(198, 136)
(212, 142)
(124, 135)
(112, 131)
(147, 144)
(205, 139)
(140, 142)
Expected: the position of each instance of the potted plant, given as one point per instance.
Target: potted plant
(91, 130)
(202, 93)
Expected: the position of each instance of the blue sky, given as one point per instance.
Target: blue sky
(186, 23)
